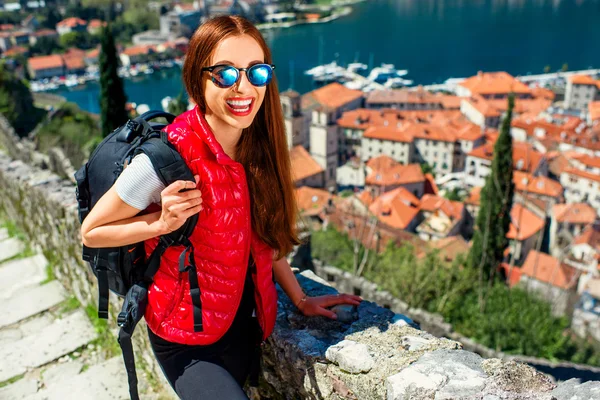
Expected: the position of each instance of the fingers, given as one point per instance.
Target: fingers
(342, 298)
(326, 313)
(178, 186)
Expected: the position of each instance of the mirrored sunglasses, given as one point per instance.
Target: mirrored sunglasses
(225, 76)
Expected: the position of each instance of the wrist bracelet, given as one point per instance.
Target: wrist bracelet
(303, 299)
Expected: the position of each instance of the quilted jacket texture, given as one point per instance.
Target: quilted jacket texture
(222, 239)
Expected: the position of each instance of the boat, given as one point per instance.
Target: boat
(394, 83)
(71, 81)
(356, 84)
(384, 72)
(356, 66)
(324, 69)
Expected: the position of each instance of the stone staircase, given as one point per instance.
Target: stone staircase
(48, 345)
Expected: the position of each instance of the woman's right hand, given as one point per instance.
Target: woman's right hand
(180, 200)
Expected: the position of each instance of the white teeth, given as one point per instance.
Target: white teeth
(239, 102)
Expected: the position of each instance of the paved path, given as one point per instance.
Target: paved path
(46, 348)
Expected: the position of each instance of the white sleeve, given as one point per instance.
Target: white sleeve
(139, 185)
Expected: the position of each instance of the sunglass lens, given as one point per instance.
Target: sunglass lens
(260, 74)
(225, 76)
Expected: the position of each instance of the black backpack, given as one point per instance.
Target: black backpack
(125, 270)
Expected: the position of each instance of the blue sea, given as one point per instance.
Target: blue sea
(433, 39)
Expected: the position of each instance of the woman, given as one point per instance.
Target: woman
(234, 141)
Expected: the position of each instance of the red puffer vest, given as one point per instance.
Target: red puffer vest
(222, 241)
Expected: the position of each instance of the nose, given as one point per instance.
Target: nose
(243, 84)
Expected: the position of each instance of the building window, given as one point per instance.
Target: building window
(357, 291)
(330, 278)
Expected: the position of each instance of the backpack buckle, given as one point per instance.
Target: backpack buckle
(122, 319)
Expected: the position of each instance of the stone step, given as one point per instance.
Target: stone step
(105, 381)
(18, 274)
(41, 346)
(29, 302)
(19, 390)
(3, 233)
(9, 248)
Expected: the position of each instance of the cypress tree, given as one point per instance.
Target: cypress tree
(493, 220)
(113, 112)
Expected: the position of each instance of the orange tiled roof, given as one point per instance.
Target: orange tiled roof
(524, 223)
(71, 22)
(574, 213)
(6, 27)
(432, 203)
(590, 236)
(594, 110)
(137, 50)
(483, 106)
(45, 32)
(94, 53)
(394, 208)
(525, 157)
(303, 165)
(582, 174)
(543, 93)
(17, 50)
(419, 96)
(74, 62)
(311, 201)
(470, 132)
(387, 133)
(540, 185)
(395, 174)
(588, 161)
(430, 132)
(96, 23)
(333, 95)
(582, 80)
(545, 268)
(494, 83)
(45, 62)
(474, 196)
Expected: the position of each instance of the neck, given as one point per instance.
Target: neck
(227, 136)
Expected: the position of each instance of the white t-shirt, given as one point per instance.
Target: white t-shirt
(139, 185)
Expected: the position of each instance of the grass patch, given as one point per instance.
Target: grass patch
(70, 304)
(106, 342)
(52, 263)
(13, 230)
(11, 380)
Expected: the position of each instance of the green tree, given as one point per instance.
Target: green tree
(455, 194)
(44, 46)
(547, 69)
(565, 67)
(178, 105)
(112, 93)
(16, 102)
(427, 169)
(493, 220)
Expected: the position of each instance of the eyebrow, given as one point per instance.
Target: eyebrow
(231, 63)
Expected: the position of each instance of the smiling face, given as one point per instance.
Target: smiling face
(235, 106)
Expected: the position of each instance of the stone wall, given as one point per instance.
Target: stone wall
(368, 353)
(24, 149)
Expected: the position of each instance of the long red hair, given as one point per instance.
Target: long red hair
(262, 148)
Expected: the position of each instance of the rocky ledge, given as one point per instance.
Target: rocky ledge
(371, 353)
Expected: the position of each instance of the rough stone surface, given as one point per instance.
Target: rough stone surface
(18, 274)
(61, 371)
(105, 381)
(9, 248)
(575, 390)
(40, 347)
(21, 389)
(350, 356)
(30, 302)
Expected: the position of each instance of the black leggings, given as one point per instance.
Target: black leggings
(208, 372)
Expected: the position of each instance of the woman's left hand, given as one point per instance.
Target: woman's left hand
(318, 305)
